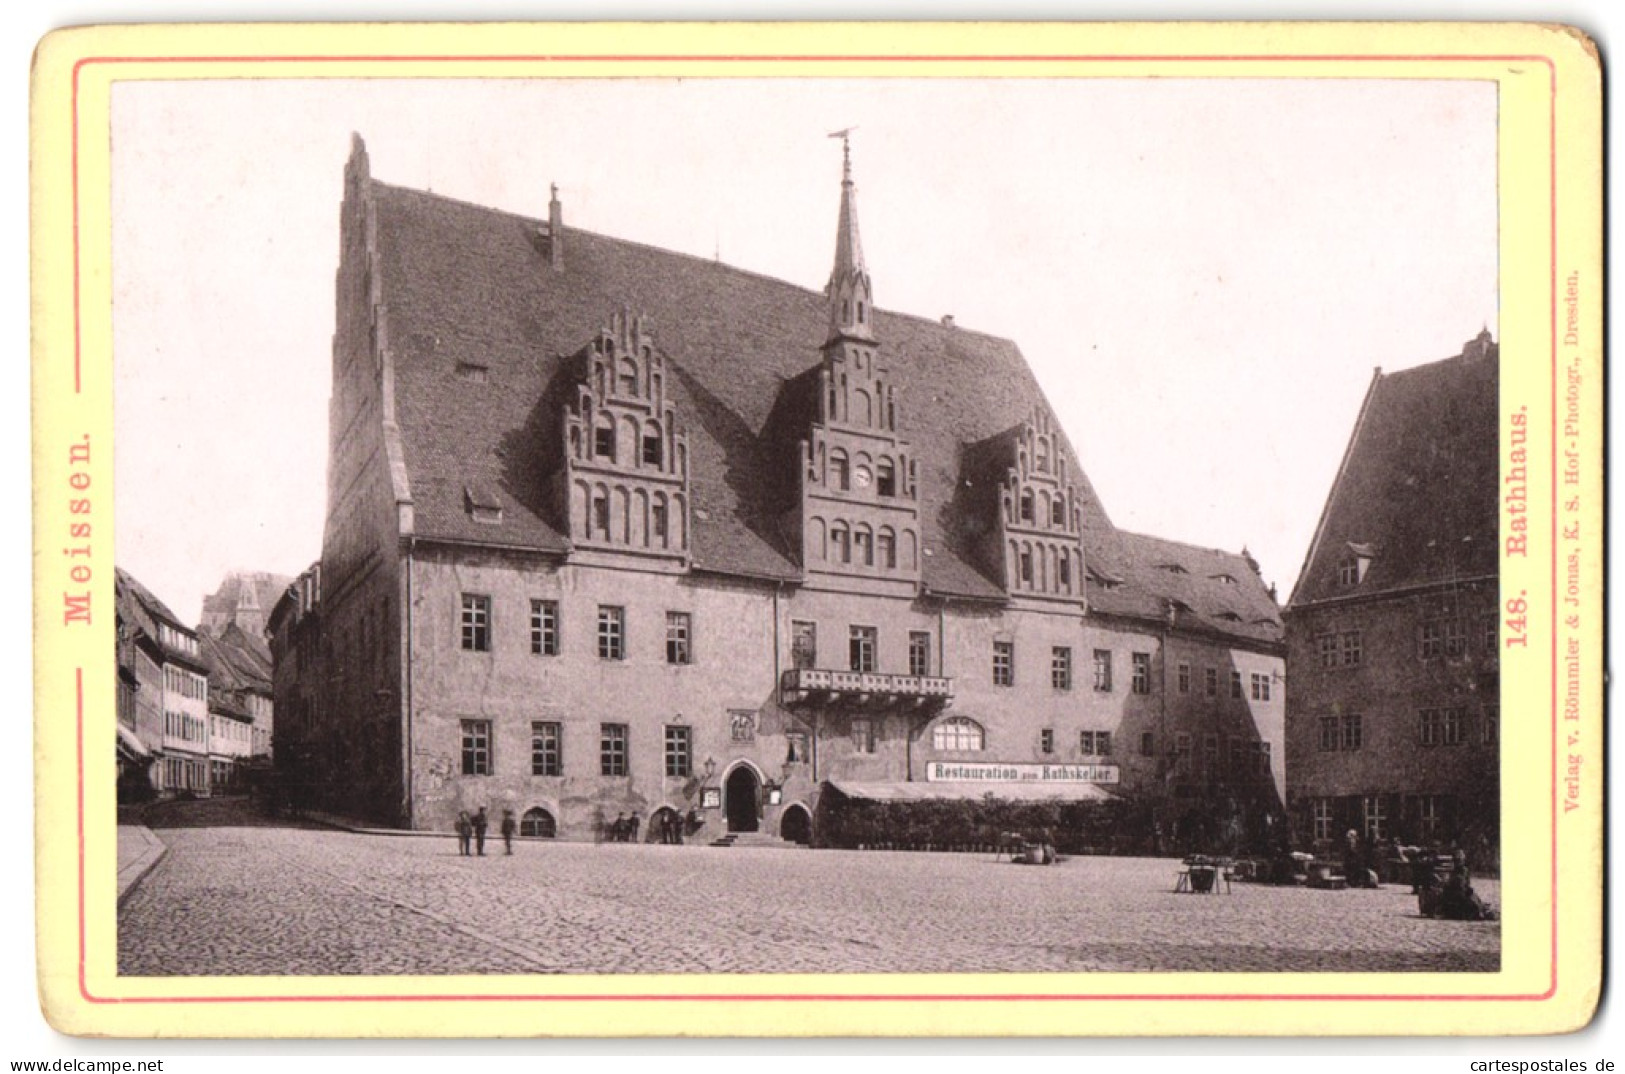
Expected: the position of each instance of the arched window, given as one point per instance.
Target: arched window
(626, 381)
(603, 440)
(600, 513)
(1026, 505)
(958, 733)
(860, 312)
(538, 823)
(886, 545)
(863, 542)
(1041, 456)
(840, 539)
(652, 453)
(1066, 570)
(1026, 560)
(840, 471)
(1057, 511)
(886, 478)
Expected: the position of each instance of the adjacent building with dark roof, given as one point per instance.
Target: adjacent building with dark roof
(1393, 723)
(616, 530)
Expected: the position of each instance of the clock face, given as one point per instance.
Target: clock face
(861, 477)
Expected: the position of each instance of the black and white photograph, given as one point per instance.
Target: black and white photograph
(807, 526)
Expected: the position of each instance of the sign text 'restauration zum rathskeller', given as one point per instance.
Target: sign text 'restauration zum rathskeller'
(958, 772)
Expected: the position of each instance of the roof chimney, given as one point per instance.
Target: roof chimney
(947, 320)
(555, 230)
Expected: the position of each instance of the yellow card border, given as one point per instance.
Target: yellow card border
(1550, 186)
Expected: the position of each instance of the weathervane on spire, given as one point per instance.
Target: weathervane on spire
(846, 152)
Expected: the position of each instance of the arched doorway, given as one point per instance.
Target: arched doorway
(740, 795)
(795, 826)
(538, 823)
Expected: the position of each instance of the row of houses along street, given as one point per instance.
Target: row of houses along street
(614, 531)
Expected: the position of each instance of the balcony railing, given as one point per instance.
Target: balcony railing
(817, 684)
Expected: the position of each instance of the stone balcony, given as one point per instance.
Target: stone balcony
(801, 686)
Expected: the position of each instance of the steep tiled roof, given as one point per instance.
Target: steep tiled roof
(1192, 588)
(1417, 492)
(471, 287)
(143, 611)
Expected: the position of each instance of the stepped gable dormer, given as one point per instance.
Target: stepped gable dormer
(626, 458)
(860, 496)
(1040, 518)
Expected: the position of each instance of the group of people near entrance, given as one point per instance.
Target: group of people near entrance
(471, 832)
(665, 826)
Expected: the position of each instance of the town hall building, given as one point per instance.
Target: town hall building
(613, 530)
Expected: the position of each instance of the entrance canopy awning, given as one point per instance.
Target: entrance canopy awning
(975, 792)
(130, 745)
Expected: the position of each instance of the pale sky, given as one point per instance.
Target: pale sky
(1202, 273)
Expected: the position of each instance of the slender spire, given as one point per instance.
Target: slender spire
(851, 296)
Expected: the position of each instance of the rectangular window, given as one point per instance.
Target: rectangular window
(1350, 648)
(1261, 687)
(1046, 740)
(611, 633)
(1103, 670)
(1492, 724)
(1432, 640)
(476, 747)
(544, 627)
(603, 442)
(546, 749)
(803, 644)
(1095, 743)
(1148, 744)
(1324, 818)
(476, 623)
(1441, 727)
(863, 735)
(1263, 756)
(651, 450)
(1142, 673)
(679, 752)
(657, 520)
(795, 747)
(1328, 650)
(1328, 733)
(1060, 667)
(1235, 684)
(862, 648)
(919, 653)
(1353, 731)
(1184, 678)
(612, 749)
(1492, 634)
(1004, 663)
(1455, 637)
(1374, 816)
(1210, 681)
(678, 628)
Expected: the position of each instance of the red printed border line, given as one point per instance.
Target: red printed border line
(745, 997)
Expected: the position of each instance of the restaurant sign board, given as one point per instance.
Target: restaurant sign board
(1015, 772)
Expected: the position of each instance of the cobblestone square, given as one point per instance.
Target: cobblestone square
(260, 899)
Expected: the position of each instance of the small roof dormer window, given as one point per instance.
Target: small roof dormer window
(1352, 569)
(482, 504)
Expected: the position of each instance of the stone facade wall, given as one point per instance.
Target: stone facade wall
(729, 699)
(1389, 687)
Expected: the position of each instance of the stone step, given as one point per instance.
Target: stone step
(753, 839)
